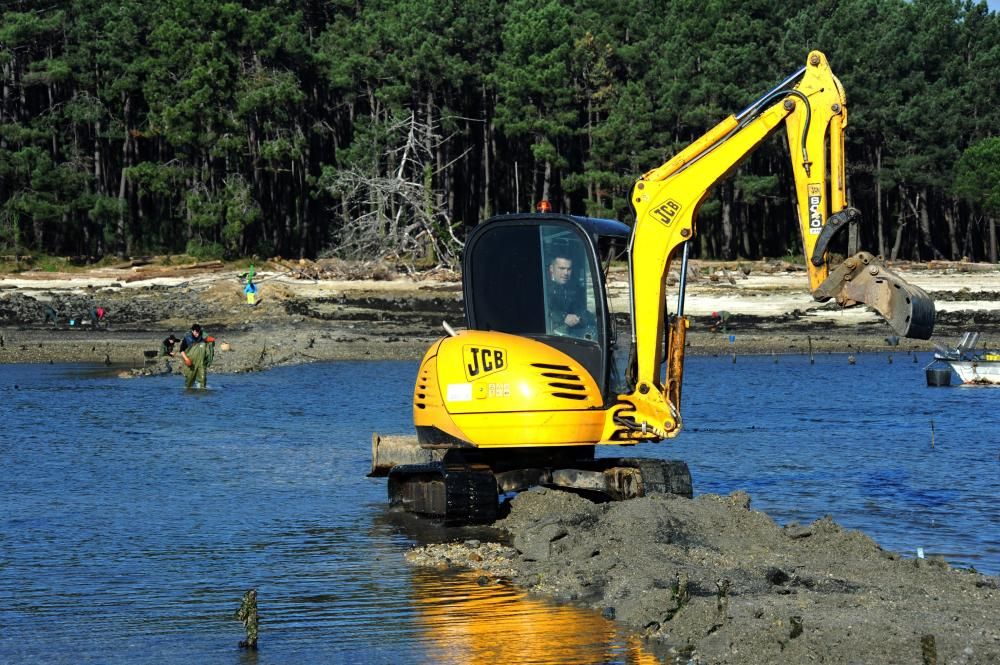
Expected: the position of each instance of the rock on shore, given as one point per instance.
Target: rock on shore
(709, 580)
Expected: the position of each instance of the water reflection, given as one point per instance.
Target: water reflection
(465, 617)
(470, 623)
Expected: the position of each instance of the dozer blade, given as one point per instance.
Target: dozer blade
(864, 278)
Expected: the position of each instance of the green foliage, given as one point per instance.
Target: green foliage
(47, 263)
(240, 210)
(234, 123)
(104, 210)
(755, 188)
(977, 175)
(203, 250)
(21, 30)
(154, 178)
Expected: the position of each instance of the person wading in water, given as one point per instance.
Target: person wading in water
(197, 353)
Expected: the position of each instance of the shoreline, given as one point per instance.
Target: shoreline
(303, 318)
(257, 349)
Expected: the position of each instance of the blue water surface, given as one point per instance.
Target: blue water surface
(133, 514)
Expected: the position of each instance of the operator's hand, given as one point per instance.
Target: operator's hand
(571, 320)
(187, 361)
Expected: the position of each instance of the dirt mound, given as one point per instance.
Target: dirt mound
(711, 581)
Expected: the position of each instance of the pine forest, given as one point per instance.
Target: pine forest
(386, 129)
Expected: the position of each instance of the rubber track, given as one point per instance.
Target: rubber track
(470, 493)
(661, 476)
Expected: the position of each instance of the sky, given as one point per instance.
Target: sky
(994, 5)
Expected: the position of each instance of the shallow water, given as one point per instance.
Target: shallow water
(134, 515)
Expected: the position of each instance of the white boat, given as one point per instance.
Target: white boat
(978, 366)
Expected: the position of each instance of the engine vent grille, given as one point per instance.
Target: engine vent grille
(561, 368)
(421, 390)
(563, 381)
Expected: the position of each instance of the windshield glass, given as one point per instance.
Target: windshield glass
(569, 299)
(618, 287)
(534, 279)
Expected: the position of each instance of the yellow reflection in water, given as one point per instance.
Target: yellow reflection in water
(465, 622)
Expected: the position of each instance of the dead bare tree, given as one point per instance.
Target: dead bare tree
(393, 212)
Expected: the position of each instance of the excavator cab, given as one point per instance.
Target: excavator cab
(539, 276)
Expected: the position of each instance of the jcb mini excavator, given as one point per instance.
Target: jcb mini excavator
(541, 376)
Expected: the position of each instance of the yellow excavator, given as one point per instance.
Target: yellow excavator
(544, 371)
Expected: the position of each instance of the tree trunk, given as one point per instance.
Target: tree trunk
(517, 187)
(98, 175)
(120, 236)
(925, 225)
(8, 75)
(993, 240)
(950, 218)
(969, 249)
(852, 229)
(546, 183)
(487, 196)
(898, 242)
(914, 207)
(302, 203)
(879, 214)
(726, 226)
(742, 220)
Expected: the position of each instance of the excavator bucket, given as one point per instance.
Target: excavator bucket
(864, 278)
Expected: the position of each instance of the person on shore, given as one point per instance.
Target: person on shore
(250, 291)
(167, 347)
(720, 321)
(197, 353)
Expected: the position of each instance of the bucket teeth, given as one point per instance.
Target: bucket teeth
(863, 278)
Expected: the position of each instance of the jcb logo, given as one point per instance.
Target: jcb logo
(667, 212)
(483, 360)
(815, 195)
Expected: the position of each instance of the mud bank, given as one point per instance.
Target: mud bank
(301, 318)
(295, 320)
(710, 580)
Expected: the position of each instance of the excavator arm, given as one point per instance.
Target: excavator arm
(812, 107)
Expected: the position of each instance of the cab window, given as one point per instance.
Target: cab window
(533, 279)
(569, 299)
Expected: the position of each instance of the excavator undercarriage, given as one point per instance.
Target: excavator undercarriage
(463, 486)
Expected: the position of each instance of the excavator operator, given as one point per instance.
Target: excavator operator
(567, 302)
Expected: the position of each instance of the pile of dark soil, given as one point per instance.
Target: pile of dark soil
(709, 580)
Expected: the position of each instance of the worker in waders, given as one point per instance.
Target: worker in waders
(198, 354)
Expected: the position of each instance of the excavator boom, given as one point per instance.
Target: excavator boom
(812, 107)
